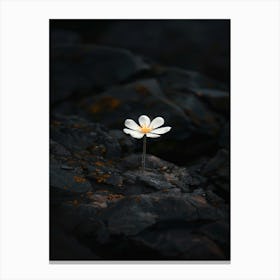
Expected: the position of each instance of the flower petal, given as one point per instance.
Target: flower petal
(161, 130)
(144, 121)
(157, 122)
(127, 131)
(131, 124)
(136, 134)
(152, 135)
(133, 133)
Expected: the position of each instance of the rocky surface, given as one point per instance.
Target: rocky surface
(101, 199)
(102, 205)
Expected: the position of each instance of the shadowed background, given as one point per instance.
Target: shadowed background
(201, 45)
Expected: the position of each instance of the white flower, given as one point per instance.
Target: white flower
(146, 127)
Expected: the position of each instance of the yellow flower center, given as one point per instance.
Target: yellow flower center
(145, 129)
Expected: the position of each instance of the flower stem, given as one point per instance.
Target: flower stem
(144, 153)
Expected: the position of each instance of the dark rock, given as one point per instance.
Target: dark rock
(218, 171)
(130, 101)
(65, 247)
(127, 144)
(218, 99)
(174, 43)
(199, 114)
(224, 138)
(188, 116)
(58, 149)
(173, 242)
(219, 163)
(78, 135)
(79, 69)
(171, 95)
(66, 167)
(67, 180)
(65, 37)
(178, 80)
(167, 223)
(101, 200)
(156, 181)
(214, 199)
(183, 88)
(218, 232)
